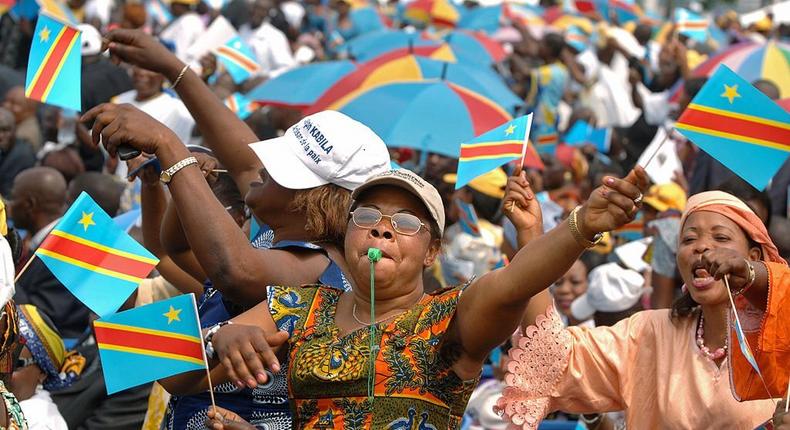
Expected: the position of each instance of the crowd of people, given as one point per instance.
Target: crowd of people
(591, 290)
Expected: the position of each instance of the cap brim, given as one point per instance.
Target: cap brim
(581, 309)
(284, 166)
(655, 203)
(406, 185)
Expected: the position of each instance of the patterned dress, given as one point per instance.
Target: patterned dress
(415, 386)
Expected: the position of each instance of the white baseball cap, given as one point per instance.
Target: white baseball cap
(612, 288)
(631, 254)
(327, 147)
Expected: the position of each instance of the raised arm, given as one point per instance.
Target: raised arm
(222, 130)
(153, 202)
(506, 292)
(224, 253)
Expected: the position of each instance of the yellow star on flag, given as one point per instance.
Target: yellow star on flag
(86, 220)
(44, 34)
(172, 314)
(730, 92)
(510, 130)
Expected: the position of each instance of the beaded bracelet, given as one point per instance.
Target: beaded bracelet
(210, 335)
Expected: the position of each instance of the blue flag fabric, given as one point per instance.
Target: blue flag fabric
(150, 342)
(240, 105)
(691, 24)
(739, 126)
(93, 258)
(492, 149)
(55, 63)
(238, 59)
(583, 133)
(467, 218)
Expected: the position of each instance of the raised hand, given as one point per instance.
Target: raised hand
(520, 205)
(721, 262)
(114, 125)
(142, 50)
(614, 204)
(246, 351)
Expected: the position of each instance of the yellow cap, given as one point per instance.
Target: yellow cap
(491, 184)
(764, 24)
(665, 197)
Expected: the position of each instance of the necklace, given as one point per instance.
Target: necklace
(367, 324)
(712, 356)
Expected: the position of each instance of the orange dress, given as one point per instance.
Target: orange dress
(769, 338)
(647, 365)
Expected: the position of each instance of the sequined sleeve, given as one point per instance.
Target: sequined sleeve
(577, 370)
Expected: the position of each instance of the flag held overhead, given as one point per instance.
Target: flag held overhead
(55, 63)
(492, 149)
(238, 59)
(150, 342)
(739, 126)
(93, 258)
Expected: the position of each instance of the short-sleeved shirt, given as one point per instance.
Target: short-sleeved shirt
(415, 386)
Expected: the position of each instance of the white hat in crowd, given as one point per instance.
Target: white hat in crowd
(611, 288)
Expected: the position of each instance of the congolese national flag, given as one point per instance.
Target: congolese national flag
(691, 24)
(583, 133)
(150, 342)
(158, 12)
(54, 65)
(238, 59)
(739, 126)
(467, 218)
(91, 256)
(493, 149)
(240, 105)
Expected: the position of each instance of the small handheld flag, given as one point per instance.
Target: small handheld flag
(150, 342)
(93, 258)
(493, 149)
(158, 12)
(467, 218)
(691, 24)
(583, 133)
(739, 126)
(240, 105)
(238, 59)
(54, 65)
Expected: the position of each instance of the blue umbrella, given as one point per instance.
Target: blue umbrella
(435, 116)
(301, 87)
(371, 45)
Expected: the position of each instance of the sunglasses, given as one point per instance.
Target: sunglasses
(405, 224)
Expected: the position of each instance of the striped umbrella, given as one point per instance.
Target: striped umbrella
(439, 13)
(401, 67)
(436, 116)
(302, 86)
(753, 61)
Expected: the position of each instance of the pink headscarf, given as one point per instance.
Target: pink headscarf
(738, 212)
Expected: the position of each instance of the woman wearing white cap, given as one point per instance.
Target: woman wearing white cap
(300, 187)
(428, 348)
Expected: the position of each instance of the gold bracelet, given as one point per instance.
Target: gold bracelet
(178, 78)
(752, 277)
(577, 234)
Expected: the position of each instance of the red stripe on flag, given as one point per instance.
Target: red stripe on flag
(149, 342)
(737, 126)
(96, 257)
(692, 25)
(488, 150)
(238, 58)
(547, 139)
(57, 56)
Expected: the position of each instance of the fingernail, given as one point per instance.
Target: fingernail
(251, 383)
(610, 180)
(275, 367)
(240, 384)
(261, 378)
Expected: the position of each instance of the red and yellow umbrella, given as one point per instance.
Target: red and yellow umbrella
(439, 13)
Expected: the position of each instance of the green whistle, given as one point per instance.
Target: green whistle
(374, 255)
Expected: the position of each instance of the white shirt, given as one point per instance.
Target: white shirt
(271, 48)
(183, 32)
(42, 413)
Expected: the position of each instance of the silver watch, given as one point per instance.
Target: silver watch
(167, 175)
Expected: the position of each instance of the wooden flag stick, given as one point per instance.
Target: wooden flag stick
(29, 260)
(219, 170)
(210, 388)
(787, 396)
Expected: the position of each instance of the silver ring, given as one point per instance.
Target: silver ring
(638, 199)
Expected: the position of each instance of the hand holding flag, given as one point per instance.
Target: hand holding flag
(739, 126)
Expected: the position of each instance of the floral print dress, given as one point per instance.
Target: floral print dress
(415, 386)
